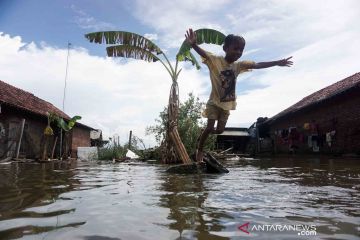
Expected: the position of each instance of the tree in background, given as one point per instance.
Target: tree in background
(189, 125)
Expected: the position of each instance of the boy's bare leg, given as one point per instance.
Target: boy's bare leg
(220, 127)
(204, 135)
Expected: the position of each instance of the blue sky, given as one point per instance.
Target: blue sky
(59, 21)
(119, 95)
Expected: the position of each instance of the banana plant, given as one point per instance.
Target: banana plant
(132, 45)
(66, 126)
(47, 133)
(51, 117)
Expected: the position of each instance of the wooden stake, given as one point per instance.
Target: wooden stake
(20, 137)
(44, 156)
(53, 149)
(130, 136)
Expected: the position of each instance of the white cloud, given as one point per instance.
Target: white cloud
(85, 21)
(151, 36)
(275, 26)
(173, 18)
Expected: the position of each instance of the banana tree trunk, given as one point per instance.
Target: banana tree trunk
(173, 140)
(179, 146)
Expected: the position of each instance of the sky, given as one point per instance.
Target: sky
(118, 95)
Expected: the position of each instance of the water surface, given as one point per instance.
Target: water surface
(101, 200)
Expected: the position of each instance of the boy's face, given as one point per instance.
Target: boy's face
(234, 51)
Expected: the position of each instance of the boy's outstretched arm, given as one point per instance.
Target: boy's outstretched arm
(190, 37)
(283, 63)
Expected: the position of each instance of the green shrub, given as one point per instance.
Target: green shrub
(190, 125)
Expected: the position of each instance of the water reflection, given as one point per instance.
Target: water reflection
(24, 186)
(185, 196)
(321, 191)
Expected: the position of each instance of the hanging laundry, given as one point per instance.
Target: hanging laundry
(316, 148)
(301, 138)
(328, 138)
(314, 128)
(310, 141)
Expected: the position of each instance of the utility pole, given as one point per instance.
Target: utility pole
(63, 105)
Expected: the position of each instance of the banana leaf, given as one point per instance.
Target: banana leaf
(67, 126)
(128, 51)
(62, 124)
(123, 38)
(72, 121)
(203, 35)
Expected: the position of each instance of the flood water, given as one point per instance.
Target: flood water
(267, 198)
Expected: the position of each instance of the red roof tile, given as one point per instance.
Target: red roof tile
(18, 98)
(323, 94)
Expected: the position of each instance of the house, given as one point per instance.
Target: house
(327, 121)
(235, 138)
(22, 110)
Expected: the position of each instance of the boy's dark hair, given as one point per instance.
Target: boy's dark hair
(231, 38)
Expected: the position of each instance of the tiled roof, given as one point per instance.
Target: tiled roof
(21, 99)
(323, 94)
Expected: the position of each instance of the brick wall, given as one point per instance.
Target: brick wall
(80, 138)
(342, 114)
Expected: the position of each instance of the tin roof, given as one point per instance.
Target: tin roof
(321, 95)
(27, 101)
(233, 131)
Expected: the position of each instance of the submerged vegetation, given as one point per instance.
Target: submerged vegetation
(114, 150)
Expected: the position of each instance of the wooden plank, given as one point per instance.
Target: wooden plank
(192, 168)
(210, 165)
(213, 165)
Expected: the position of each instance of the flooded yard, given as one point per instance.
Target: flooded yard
(278, 198)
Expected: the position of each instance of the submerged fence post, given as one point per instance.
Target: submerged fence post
(130, 136)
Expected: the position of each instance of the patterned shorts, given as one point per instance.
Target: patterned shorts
(216, 113)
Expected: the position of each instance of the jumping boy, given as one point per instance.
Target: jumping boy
(223, 74)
